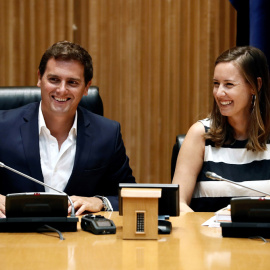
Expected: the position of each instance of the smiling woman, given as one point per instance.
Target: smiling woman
(234, 141)
(233, 96)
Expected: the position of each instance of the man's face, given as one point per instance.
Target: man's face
(62, 87)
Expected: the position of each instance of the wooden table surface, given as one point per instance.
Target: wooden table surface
(189, 246)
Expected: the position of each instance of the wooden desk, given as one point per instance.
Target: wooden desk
(189, 246)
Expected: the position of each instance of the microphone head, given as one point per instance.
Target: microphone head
(208, 174)
(212, 175)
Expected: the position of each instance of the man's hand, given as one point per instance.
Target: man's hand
(2, 206)
(81, 204)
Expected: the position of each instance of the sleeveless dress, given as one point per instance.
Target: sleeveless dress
(233, 162)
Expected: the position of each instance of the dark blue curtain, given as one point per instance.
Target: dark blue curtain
(253, 24)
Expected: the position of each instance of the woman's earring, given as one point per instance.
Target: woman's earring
(253, 101)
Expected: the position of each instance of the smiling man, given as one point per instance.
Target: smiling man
(57, 141)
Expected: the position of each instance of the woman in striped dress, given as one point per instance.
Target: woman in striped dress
(234, 141)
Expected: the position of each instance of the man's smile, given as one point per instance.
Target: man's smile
(60, 99)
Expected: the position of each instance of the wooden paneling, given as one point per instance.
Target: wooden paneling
(153, 61)
(27, 29)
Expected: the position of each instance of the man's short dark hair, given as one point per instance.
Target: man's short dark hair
(65, 50)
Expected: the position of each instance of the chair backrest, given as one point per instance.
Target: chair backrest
(12, 97)
(176, 148)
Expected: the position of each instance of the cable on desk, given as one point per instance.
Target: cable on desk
(259, 237)
(49, 228)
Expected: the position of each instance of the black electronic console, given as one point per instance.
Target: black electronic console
(36, 204)
(38, 224)
(168, 204)
(250, 217)
(97, 224)
(28, 212)
(40, 211)
(250, 209)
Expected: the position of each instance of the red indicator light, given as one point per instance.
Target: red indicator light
(36, 194)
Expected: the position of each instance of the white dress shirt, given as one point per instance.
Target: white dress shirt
(56, 164)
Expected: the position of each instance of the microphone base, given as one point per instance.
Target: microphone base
(34, 224)
(245, 229)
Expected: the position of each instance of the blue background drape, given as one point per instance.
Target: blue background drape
(253, 24)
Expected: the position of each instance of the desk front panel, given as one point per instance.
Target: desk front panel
(189, 246)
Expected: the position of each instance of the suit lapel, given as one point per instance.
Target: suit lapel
(30, 139)
(82, 155)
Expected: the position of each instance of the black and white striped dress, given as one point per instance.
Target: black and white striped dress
(233, 162)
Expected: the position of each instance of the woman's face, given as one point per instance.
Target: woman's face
(231, 91)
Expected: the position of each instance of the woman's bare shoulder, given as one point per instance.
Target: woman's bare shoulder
(196, 130)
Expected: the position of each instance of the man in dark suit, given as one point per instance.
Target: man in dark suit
(66, 146)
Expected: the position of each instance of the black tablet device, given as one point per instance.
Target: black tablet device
(168, 204)
(36, 205)
(250, 209)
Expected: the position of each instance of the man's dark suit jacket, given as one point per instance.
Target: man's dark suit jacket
(100, 161)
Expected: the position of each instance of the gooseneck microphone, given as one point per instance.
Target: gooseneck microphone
(41, 183)
(214, 176)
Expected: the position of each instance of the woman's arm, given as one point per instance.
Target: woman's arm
(189, 164)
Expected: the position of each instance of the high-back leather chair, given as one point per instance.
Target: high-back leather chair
(12, 97)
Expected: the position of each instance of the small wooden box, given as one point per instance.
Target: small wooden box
(140, 213)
